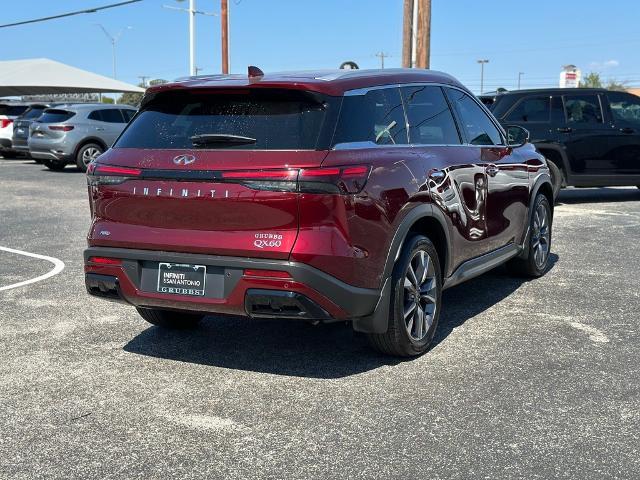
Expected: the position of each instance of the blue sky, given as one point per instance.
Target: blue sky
(305, 34)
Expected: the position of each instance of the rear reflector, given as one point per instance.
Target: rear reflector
(61, 128)
(267, 274)
(105, 261)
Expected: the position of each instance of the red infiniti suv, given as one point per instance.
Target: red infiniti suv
(324, 196)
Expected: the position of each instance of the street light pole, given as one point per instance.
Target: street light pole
(113, 41)
(192, 30)
(482, 62)
(519, 77)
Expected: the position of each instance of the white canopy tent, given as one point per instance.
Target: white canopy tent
(43, 76)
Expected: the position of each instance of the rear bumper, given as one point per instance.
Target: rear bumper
(50, 149)
(308, 293)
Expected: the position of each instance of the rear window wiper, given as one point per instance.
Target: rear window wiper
(221, 138)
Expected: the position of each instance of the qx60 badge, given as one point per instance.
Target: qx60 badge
(184, 160)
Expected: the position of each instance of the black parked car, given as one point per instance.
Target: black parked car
(591, 137)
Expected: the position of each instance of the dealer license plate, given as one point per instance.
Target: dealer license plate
(182, 279)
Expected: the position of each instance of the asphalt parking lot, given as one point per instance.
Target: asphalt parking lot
(535, 379)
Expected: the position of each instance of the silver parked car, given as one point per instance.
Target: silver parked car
(76, 133)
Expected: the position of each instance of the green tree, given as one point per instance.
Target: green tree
(131, 98)
(592, 80)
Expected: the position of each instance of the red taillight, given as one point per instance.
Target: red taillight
(61, 128)
(267, 274)
(344, 180)
(109, 170)
(105, 261)
(271, 174)
(341, 180)
(5, 122)
(110, 175)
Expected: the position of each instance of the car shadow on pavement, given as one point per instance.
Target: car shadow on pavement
(298, 349)
(570, 196)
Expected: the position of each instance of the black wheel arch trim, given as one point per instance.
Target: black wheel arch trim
(565, 165)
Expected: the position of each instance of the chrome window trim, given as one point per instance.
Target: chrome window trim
(365, 90)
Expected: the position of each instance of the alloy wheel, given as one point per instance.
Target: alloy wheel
(541, 236)
(420, 295)
(90, 154)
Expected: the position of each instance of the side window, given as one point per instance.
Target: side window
(95, 115)
(625, 107)
(478, 126)
(531, 109)
(376, 117)
(112, 115)
(582, 109)
(128, 114)
(430, 120)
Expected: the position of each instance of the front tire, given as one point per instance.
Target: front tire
(537, 260)
(415, 302)
(87, 154)
(170, 319)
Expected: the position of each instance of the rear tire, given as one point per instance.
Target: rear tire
(169, 318)
(416, 299)
(537, 260)
(55, 165)
(87, 154)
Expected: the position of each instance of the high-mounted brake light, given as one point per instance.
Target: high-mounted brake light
(61, 128)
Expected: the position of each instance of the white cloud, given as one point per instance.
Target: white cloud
(606, 65)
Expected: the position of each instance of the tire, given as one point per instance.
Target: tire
(557, 178)
(537, 260)
(169, 318)
(408, 338)
(55, 165)
(86, 154)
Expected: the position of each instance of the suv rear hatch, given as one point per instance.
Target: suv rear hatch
(214, 171)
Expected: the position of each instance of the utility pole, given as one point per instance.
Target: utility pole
(416, 34)
(198, 70)
(482, 62)
(407, 34)
(519, 77)
(143, 80)
(224, 19)
(382, 56)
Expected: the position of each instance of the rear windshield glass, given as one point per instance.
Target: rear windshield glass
(12, 110)
(55, 116)
(33, 112)
(253, 119)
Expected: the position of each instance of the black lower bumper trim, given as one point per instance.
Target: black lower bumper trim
(104, 286)
(277, 303)
(356, 301)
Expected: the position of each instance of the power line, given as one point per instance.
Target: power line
(70, 14)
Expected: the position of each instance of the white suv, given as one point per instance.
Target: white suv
(8, 113)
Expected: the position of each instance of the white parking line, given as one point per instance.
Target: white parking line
(58, 267)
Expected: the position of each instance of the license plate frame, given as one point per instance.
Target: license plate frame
(182, 279)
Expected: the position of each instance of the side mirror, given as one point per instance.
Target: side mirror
(517, 136)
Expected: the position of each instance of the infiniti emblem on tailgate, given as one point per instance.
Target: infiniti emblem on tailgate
(184, 159)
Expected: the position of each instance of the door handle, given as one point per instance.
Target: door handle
(565, 129)
(627, 130)
(491, 170)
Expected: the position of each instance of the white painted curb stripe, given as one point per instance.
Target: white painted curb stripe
(58, 267)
